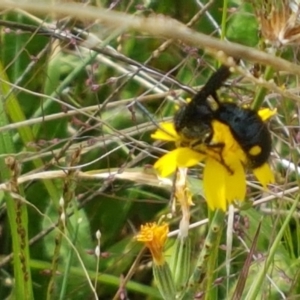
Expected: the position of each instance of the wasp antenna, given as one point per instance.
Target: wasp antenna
(213, 84)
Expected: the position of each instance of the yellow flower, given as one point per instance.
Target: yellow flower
(154, 236)
(224, 178)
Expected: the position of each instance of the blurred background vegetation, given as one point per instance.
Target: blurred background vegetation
(79, 101)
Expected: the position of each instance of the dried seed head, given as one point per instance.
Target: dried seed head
(279, 22)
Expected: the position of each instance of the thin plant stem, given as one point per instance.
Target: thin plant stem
(257, 284)
(212, 239)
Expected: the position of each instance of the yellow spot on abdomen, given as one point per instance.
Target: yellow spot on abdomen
(255, 150)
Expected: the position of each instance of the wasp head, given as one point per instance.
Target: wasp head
(193, 122)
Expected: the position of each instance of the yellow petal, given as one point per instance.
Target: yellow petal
(266, 113)
(214, 185)
(167, 134)
(232, 150)
(235, 183)
(180, 157)
(264, 174)
(166, 165)
(187, 157)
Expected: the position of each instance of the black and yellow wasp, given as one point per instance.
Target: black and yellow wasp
(194, 121)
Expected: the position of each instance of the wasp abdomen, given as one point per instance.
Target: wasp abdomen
(249, 130)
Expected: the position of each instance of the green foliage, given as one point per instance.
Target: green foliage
(243, 27)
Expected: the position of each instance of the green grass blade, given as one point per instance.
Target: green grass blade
(16, 210)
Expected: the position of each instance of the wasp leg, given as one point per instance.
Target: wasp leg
(196, 143)
(220, 147)
(216, 148)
